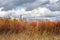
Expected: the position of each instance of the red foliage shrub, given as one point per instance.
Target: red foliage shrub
(15, 25)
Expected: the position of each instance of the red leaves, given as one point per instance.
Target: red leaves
(21, 26)
(33, 24)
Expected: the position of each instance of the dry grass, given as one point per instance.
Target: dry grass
(29, 35)
(19, 30)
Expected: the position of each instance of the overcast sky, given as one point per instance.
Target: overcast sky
(53, 5)
(14, 8)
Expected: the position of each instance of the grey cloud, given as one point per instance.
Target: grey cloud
(55, 7)
(52, 5)
(36, 4)
(30, 4)
(10, 4)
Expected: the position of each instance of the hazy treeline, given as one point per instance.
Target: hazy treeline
(14, 25)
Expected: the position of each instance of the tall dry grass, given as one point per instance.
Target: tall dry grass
(20, 30)
(28, 35)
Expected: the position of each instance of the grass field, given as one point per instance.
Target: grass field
(20, 30)
(29, 35)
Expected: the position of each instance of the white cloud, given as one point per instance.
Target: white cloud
(39, 12)
(53, 1)
(2, 13)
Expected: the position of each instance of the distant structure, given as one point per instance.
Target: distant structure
(27, 19)
(22, 18)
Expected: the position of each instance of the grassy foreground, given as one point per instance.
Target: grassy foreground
(29, 35)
